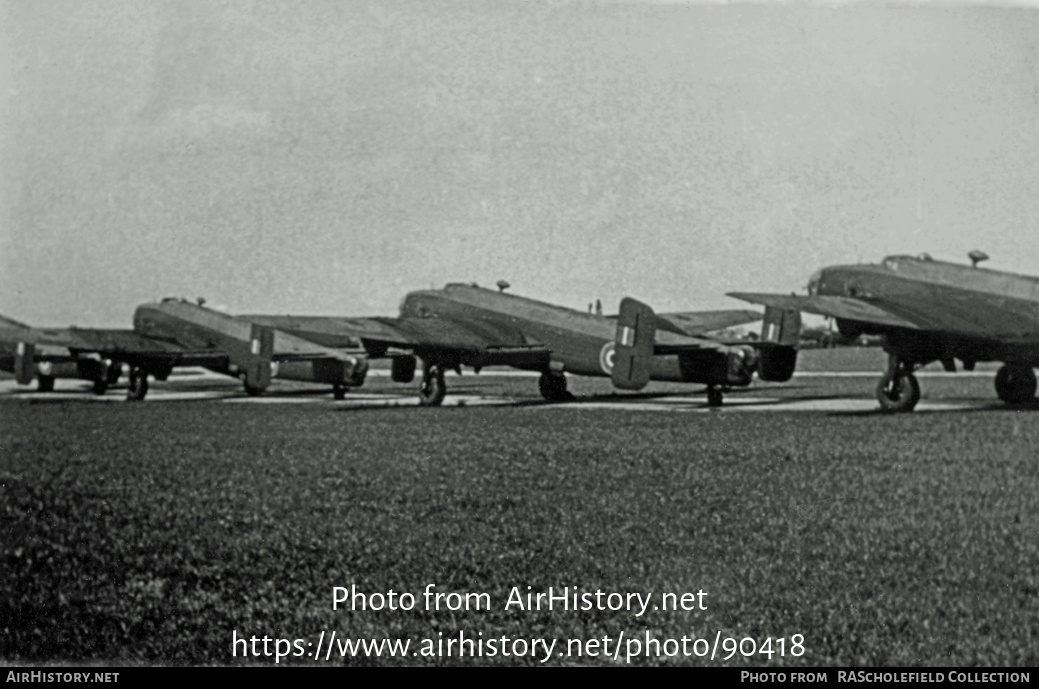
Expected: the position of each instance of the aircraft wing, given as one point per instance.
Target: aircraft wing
(333, 331)
(416, 334)
(700, 322)
(836, 307)
(126, 345)
(6, 322)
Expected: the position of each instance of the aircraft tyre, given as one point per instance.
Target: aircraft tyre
(1015, 383)
(252, 390)
(714, 397)
(45, 383)
(552, 387)
(101, 385)
(138, 385)
(432, 391)
(339, 391)
(899, 393)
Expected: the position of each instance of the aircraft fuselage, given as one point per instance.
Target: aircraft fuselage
(973, 314)
(577, 342)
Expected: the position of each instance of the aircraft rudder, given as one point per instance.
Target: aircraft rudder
(781, 326)
(780, 332)
(24, 366)
(261, 353)
(633, 345)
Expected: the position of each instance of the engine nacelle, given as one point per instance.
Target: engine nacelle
(741, 362)
(350, 372)
(733, 366)
(777, 364)
(402, 370)
(851, 329)
(358, 372)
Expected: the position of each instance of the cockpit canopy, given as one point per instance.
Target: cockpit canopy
(813, 283)
(893, 262)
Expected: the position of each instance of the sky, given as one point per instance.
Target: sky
(326, 157)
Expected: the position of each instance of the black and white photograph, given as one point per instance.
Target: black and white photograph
(548, 333)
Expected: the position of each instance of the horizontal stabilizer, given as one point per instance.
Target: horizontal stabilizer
(699, 322)
(633, 353)
(24, 366)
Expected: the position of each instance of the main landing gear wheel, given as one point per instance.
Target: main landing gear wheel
(432, 391)
(714, 397)
(252, 390)
(339, 391)
(100, 385)
(45, 383)
(1015, 383)
(898, 390)
(553, 387)
(138, 385)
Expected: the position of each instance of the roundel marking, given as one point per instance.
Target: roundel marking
(606, 357)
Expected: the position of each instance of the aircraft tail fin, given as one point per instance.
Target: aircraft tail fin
(24, 366)
(633, 347)
(261, 353)
(253, 357)
(781, 326)
(781, 330)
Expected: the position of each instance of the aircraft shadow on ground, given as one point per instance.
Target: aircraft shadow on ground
(990, 406)
(376, 399)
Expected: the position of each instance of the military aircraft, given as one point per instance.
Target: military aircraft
(175, 332)
(928, 310)
(466, 325)
(51, 361)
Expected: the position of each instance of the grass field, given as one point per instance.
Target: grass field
(151, 532)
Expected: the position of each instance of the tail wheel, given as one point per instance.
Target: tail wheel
(45, 383)
(898, 393)
(432, 391)
(138, 385)
(1015, 383)
(552, 387)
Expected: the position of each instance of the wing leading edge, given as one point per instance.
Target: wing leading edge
(835, 307)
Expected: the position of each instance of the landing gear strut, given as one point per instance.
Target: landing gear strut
(339, 391)
(138, 385)
(432, 391)
(898, 390)
(552, 386)
(714, 396)
(1015, 383)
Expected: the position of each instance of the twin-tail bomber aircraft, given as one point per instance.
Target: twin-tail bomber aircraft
(47, 360)
(173, 333)
(928, 310)
(465, 325)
